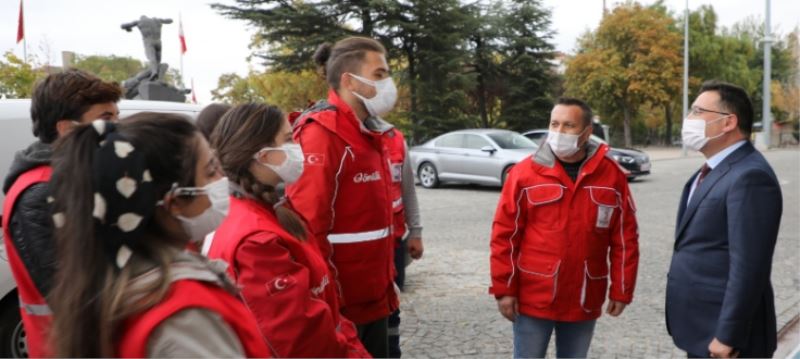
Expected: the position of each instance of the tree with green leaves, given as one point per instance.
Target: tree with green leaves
(109, 68)
(459, 66)
(290, 31)
(629, 61)
(290, 91)
(527, 69)
(234, 89)
(17, 78)
(736, 55)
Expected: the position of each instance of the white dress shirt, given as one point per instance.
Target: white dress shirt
(713, 162)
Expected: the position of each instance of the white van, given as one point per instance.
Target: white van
(16, 134)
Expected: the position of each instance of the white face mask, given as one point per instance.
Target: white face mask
(385, 96)
(199, 226)
(292, 167)
(693, 133)
(564, 144)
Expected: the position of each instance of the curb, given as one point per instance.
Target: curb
(789, 340)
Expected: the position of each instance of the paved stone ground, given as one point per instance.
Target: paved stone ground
(448, 313)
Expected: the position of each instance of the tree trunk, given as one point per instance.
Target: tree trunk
(668, 122)
(626, 125)
(366, 22)
(412, 86)
(481, 82)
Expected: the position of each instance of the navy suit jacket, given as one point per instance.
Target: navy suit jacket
(718, 284)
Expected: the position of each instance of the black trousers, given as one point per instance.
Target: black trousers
(394, 319)
(374, 337)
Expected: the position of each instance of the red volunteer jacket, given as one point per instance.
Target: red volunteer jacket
(185, 294)
(285, 283)
(36, 314)
(555, 242)
(397, 155)
(345, 195)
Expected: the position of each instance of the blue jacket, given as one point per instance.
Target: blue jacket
(718, 284)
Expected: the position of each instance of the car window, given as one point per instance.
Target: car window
(475, 142)
(512, 140)
(536, 136)
(454, 140)
(597, 139)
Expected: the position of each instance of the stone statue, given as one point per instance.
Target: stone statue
(151, 36)
(149, 83)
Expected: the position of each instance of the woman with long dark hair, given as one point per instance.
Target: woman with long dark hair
(128, 199)
(284, 279)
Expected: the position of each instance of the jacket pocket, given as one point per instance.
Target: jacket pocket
(595, 284)
(362, 270)
(544, 205)
(603, 207)
(538, 279)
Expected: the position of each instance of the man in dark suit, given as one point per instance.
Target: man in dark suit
(719, 296)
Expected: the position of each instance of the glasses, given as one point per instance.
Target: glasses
(697, 111)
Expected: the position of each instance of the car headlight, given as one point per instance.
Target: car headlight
(624, 159)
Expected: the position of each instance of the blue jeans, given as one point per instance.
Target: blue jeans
(532, 335)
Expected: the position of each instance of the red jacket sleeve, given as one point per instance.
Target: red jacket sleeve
(312, 195)
(624, 248)
(507, 229)
(277, 290)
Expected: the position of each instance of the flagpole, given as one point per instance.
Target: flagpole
(180, 27)
(24, 36)
(686, 16)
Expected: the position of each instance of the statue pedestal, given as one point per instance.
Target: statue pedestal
(158, 91)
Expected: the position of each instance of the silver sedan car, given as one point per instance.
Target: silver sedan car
(479, 156)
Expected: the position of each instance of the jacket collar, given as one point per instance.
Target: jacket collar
(37, 154)
(372, 125)
(343, 122)
(247, 208)
(708, 182)
(545, 159)
(184, 265)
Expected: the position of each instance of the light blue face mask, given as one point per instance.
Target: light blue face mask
(385, 95)
(693, 133)
(292, 167)
(218, 193)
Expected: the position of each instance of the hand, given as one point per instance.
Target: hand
(615, 308)
(415, 248)
(508, 307)
(719, 350)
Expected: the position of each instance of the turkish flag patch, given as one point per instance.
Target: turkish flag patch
(315, 159)
(280, 284)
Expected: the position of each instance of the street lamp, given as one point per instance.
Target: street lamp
(766, 115)
(685, 70)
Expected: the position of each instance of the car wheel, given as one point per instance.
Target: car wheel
(505, 175)
(428, 176)
(12, 334)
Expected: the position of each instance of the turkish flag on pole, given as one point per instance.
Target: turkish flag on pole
(21, 25)
(194, 98)
(180, 35)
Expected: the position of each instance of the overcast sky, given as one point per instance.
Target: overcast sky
(217, 45)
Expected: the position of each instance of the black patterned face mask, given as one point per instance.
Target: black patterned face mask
(124, 195)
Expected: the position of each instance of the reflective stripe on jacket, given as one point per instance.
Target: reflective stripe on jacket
(345, 196)
(286, 284)
(556, 244)
(36, 314)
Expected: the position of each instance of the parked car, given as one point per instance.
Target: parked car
(479, 156)
(635, 162)
(15, 127)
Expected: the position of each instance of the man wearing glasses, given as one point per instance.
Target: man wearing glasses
(719, 296)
